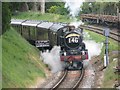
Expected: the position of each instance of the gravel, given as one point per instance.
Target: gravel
(88, 79)
(51, 80)
(70, 80)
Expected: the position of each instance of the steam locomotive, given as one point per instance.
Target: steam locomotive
(45, 35)
(73, 50)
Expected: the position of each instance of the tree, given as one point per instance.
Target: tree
(86, 8)
(108, 8)
(34, 6)
(6, 16)
(42, 6)
(57, 8)
(19, 6)
(48, 5)
(24, 7)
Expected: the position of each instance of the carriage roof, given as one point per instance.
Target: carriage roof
(45, 25)
(55, 27)
(31, 22)
(17, 21)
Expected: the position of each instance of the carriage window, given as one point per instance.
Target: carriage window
(42, 34)
(25, 32)
(32, 32)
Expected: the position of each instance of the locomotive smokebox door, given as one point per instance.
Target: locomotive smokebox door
(72, 40)
(106, 32)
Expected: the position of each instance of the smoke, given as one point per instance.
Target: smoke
(52, 58)
(73, 6)
(76, 23)
(93, 48)
(74, 9)
(86, 36)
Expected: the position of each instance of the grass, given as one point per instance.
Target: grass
(21, 64)
(38, 16)
(109, 75)
(0, 63)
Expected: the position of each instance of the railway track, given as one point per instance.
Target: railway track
(79, 79)
(113, 35)
(73, 83)
(60, 81)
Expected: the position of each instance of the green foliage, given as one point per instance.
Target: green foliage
(86, 8)
(46, 16)
(21, 65)
(17, 7)
(50, 4)
(53, 9)
(57, 8)
(6, 17)
(100, 8)
(62, 11)
(109, 75)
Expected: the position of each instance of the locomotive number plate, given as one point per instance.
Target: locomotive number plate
(72, 40)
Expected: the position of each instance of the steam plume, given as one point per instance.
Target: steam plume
(52, 58)
(74, 8)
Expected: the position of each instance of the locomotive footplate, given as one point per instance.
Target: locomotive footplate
(42, 43)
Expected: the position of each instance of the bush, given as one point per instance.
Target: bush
(53, 9)
(6, 17)
(58, 10)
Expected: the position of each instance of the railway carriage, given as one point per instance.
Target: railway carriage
(17, 24)
(43, 37)
(29, 30)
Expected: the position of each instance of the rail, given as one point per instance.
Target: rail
(76, 83)
(113, 35)
(60, 81)
(79, 80)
